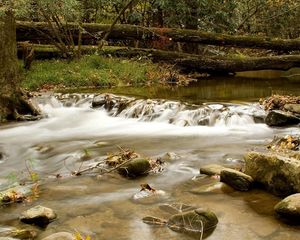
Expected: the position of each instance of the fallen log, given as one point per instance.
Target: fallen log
(37, 32)
(184, 61)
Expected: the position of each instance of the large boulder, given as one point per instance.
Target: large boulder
(279, 174)
(289, 207)
(281, 118)
(135, 168)
(236, 179)
(38, 215)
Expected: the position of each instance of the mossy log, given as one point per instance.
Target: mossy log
(187, 62)
(37, 32)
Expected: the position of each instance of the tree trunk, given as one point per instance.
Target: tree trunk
(12, 103)
(184, 61)
(27, 31)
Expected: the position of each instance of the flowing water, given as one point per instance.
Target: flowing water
(198, 125)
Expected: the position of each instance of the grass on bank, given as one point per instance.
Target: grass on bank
(92, 71)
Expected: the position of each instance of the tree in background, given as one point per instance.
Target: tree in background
(12, 102)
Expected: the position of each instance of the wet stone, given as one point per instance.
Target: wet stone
(193, 222)
(236, 179)
(135, 168)
(39, 215)
(211, 169)
(281, 118)
(289, 207)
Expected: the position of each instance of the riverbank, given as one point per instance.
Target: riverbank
(97, 71)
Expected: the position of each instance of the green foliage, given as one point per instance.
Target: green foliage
(90, 71)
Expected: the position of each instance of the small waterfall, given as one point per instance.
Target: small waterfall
(177, 113)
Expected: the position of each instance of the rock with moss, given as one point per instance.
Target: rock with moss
(289, 207)
(279, 174)
(38, 215)
(236, 179)
(277, 118)
(135, 168)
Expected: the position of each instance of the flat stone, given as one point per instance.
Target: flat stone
(289, 207)
(211, 169)
(295, 108)
(38, 215)
(281, 118)
(60, 236)
(236, 179)
(278, 174)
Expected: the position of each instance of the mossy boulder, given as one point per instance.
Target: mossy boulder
(135, 168)
(289, 207)
(279, 174)
(236, 179)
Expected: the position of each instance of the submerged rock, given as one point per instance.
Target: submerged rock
(194, 221)
(188, 219)
(135, 168)
(289, 207)
(39, 215)
(211, 169)
(236, 179)
(60, 236)
(278, 174)
(281, 118)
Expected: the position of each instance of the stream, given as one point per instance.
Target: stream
(211, 122)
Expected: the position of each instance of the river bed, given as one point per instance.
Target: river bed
(104, 207)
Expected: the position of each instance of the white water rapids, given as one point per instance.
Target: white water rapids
(208, 133)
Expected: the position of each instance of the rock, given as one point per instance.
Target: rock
(193, 221)
(278, 174)
(281, 118)
(11, 232)
(98, 101)
(289, 207)
(39, 215)
(295, 108)
(60, 236)
(23, 234)
(236, 179)
(211, 169)
(135, 168)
